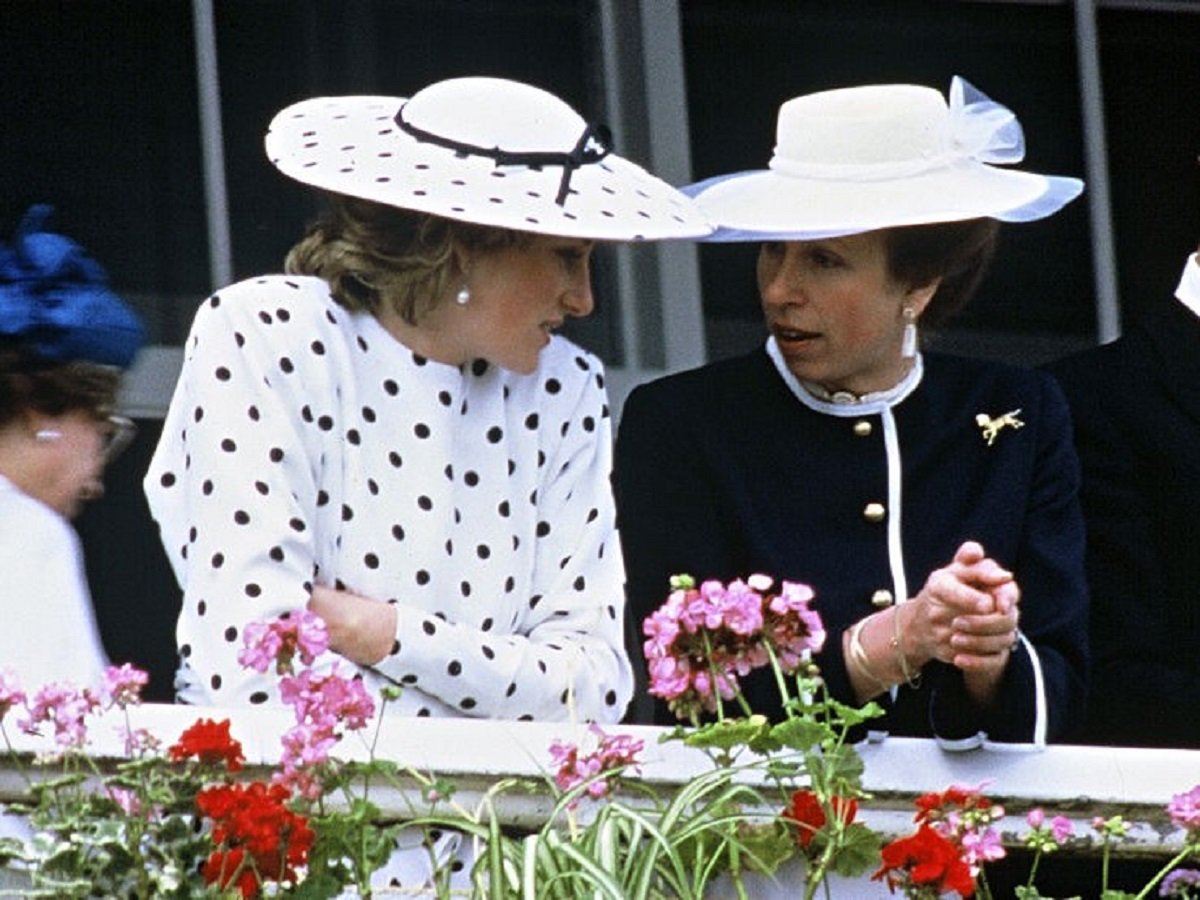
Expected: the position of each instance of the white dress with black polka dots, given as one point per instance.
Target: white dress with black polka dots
(306, 445)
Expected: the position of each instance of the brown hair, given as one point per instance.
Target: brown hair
(371, 254)
(956, 252)
(30, 383)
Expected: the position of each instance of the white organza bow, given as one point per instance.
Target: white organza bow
(982, 129)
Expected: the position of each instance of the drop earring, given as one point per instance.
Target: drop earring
(463, 297)
(908, 345)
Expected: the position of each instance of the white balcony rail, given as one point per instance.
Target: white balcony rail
(1078, 782)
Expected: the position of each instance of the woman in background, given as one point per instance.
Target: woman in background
(64, 340)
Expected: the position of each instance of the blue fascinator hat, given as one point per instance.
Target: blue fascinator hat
(55, 300)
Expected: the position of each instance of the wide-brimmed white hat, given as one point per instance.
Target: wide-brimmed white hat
(484, 150)
(879, 156)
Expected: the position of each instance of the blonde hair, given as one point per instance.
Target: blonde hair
(372, 254)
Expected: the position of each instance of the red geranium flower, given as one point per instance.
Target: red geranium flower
(934, 806)
(209, 742)
(925, 859)
(253, 819)
(808, 815)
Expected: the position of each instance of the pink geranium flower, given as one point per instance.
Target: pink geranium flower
(10, 693)
(704, 639)
(1184, 809)
(1062, 829)
(277, 643)
(122, 686)
(65, 707)
(332, 696)
(979, 847)
(574, 767)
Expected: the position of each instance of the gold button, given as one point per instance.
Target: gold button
(862, 428)
(874, 512)
(882, 599)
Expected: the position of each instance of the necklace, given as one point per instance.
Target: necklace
(847, 398)
(845, 403)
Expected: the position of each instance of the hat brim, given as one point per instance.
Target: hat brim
(352, 145)
(766, 205)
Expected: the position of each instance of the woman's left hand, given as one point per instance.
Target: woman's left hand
(983, 642)
(360, 628)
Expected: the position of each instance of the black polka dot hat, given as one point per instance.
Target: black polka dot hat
(484, 150)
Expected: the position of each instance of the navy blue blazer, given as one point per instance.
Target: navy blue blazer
(1136, 410)
(722, 472)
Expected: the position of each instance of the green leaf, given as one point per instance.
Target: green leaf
(768, 845)
(858, 851)
(728, 734)
(317, 887)
(850, 716)
(800, 734)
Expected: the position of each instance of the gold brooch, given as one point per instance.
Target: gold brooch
(991, 427)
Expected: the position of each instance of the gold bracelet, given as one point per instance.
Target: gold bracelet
(909, 679)
(858, 654)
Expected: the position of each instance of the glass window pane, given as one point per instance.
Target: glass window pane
(100, 103)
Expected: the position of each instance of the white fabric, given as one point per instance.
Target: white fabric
(49, 632)
(859, 159)
(353, 145)
(1188, 291)
(893, 131)
(1042, 714)
(304, 444)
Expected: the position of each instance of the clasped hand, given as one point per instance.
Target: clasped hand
(966, 615)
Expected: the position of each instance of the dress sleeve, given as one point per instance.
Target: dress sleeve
(232, 485)
(564, 658)
(1043, 691)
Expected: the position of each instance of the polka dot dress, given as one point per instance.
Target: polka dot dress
(304, 445)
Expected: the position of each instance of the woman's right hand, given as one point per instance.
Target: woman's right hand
(360, 628)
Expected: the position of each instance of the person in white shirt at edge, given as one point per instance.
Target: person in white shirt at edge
(391, 433)
(65, 339)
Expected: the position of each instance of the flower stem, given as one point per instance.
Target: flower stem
(1037, 858)
(14, 757)
(1179, 857)
(784, 694)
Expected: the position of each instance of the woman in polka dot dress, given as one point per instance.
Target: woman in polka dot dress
(391, 433)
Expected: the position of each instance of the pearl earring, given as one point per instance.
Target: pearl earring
(908, 346)
(463, 297)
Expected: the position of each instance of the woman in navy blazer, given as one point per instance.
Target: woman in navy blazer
(930, 501)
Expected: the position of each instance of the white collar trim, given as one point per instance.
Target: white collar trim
(1188, 291)
(867, 404)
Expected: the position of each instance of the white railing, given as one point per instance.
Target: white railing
(1078, 782)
